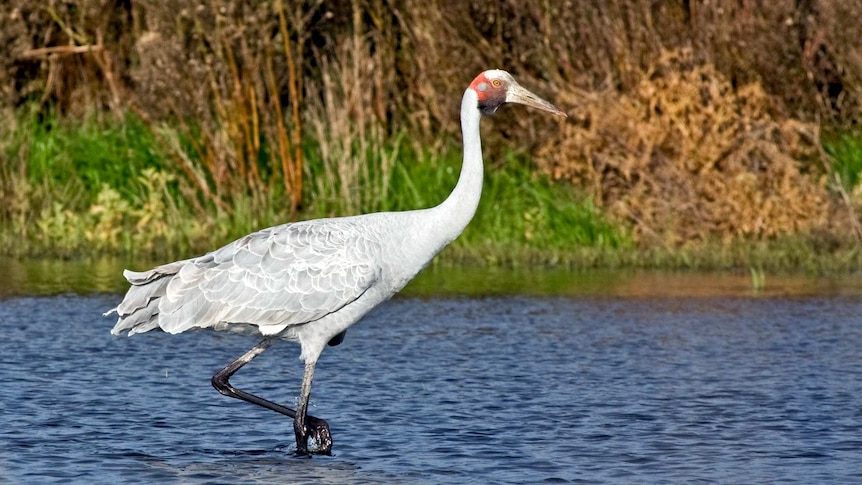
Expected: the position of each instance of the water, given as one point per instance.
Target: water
(645, 386)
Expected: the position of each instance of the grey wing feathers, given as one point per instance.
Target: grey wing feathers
(138, 311)
(282, 276)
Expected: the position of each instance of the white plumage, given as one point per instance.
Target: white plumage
(309, 281)
(281, 276)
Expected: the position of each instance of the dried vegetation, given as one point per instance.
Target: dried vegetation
(686, 157)
(691, 121)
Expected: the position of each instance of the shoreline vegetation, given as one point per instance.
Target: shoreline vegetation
(136, 210)
(153, 132)
(103, 274)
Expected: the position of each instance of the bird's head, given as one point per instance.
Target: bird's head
(496, 87)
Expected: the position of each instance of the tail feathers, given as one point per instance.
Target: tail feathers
(140, 296)
(144, 277)
(142, 320)
(139, 310)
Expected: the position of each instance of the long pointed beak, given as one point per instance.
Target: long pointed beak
(520, 95)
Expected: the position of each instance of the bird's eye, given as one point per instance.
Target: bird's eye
(496, 83)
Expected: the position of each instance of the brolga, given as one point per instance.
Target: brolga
(309, 281)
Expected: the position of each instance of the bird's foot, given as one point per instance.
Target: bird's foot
(318, 431)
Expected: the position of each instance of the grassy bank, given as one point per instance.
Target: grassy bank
(685, 147)
(102, 187)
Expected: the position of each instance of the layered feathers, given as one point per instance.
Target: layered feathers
(275, 278)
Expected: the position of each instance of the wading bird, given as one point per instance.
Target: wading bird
(309, 281)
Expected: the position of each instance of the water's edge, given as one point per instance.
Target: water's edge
(43, 277)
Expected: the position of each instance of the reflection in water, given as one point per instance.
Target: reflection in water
(502, 389)
(50, 277)
(55, 276)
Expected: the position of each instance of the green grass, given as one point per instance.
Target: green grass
(106, 188)
(94, 186)
(846, 151)
(523, 218)
(87, 155)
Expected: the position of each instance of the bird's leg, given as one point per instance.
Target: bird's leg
(319, 428)
(302, 424)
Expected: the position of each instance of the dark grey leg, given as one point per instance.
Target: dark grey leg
(299, 422)
(316, 428)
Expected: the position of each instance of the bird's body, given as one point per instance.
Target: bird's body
(310, 281)
(329, 272)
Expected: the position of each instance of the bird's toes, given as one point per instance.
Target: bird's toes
(322, 439)
(318, 431)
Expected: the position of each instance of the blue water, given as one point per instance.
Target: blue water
(504, 389)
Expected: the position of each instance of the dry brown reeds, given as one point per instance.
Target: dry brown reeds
(85, 53)
(688, 157)
(233, 69)
(715, 143)
(346, 112)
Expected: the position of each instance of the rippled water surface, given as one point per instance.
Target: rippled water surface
(502, 389)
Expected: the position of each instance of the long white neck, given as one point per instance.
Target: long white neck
(453, 215)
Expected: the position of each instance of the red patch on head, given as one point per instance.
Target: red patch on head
(476, 85)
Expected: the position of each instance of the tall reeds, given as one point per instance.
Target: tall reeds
(239, 93)
(346, 113)
(237, 109)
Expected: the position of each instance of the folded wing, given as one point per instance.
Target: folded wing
(281, 276)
